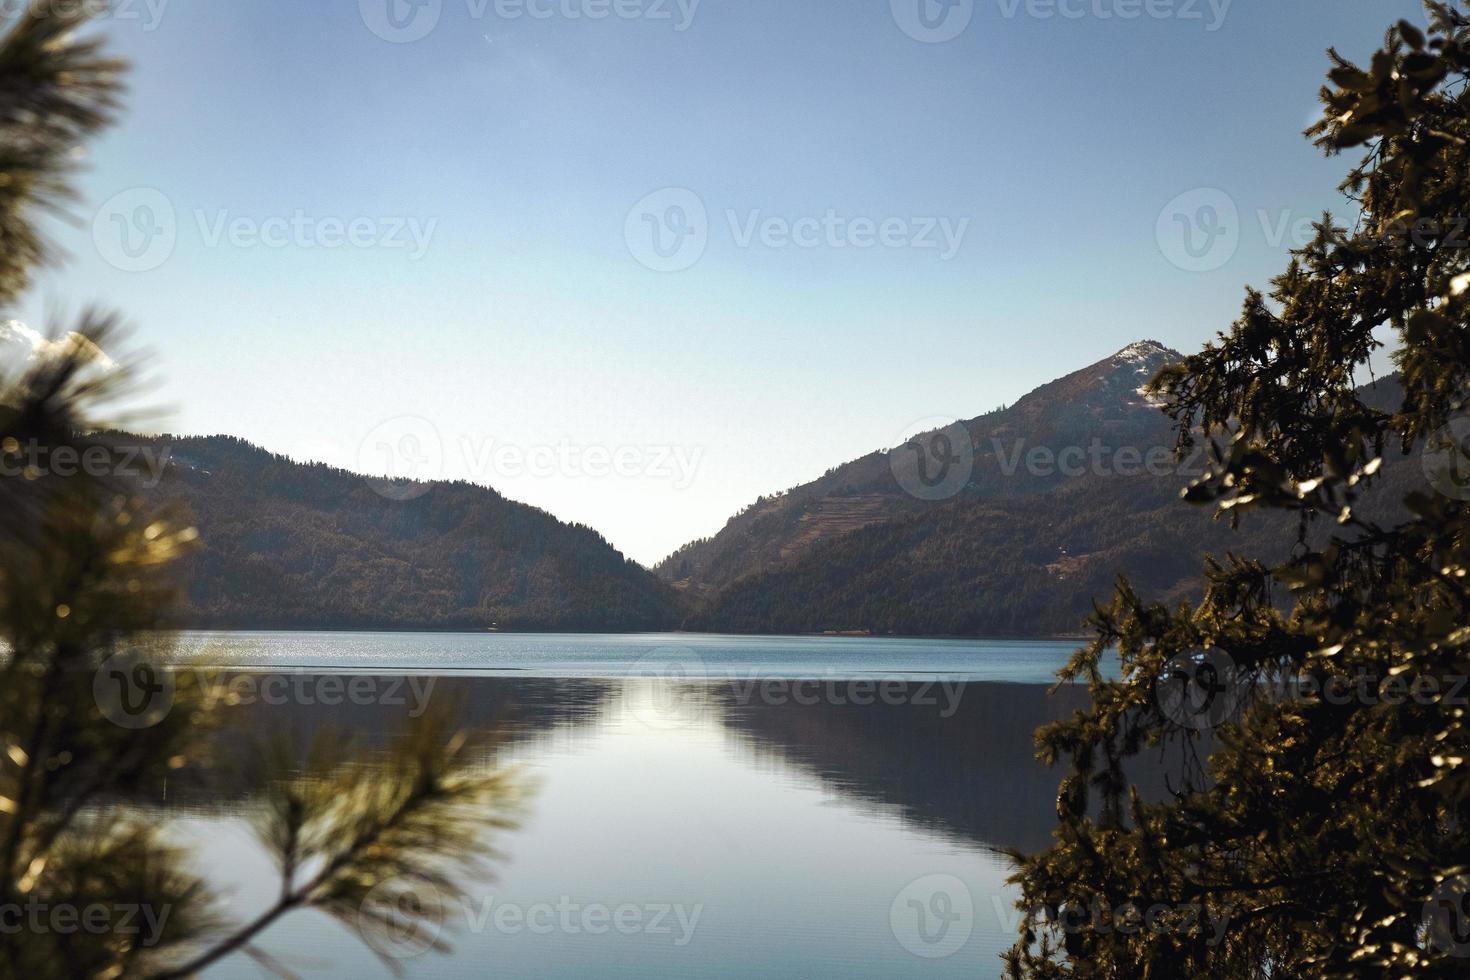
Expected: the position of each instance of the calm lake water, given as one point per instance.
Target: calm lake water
(696, 806)
(582, 655)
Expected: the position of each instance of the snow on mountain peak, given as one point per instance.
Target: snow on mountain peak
(1145, 357)
(1143, 351)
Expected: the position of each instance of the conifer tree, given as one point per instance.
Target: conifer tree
(85, 584)
(1322, 814)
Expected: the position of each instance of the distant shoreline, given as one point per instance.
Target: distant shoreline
(843, 635)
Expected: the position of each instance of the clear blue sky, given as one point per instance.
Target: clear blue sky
(520, 146)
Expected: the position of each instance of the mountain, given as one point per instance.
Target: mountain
(1010, 523)
(1045, 503)
(288, 545)
(1103, 401)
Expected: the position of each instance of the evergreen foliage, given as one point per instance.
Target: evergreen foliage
(1329, 832)
(86, 580)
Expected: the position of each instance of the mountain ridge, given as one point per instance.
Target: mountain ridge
(1070, 487)
(1009, 523)
(868, 490)
(291, 545)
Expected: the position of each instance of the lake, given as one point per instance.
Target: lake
(695, 806)
(624, 655)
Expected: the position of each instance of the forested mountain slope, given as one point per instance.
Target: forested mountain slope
(293, 545)
(1069, 488)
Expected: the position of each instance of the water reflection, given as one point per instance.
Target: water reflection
(966, 770)
(957, 761)
(971, 775)
(786, 828)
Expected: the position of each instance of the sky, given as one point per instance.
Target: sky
(639, 262)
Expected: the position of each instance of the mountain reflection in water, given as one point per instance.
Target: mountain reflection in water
(791, 817)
